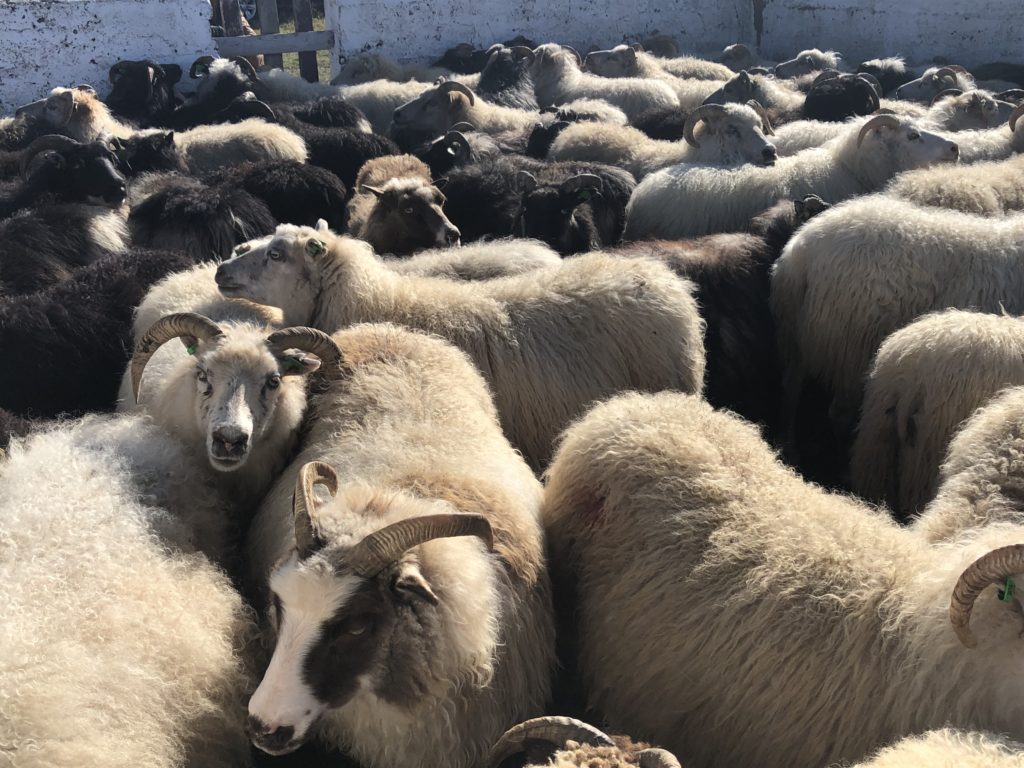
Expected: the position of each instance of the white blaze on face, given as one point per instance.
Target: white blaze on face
(310, 598)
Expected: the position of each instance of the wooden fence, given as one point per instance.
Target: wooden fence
(271, 42)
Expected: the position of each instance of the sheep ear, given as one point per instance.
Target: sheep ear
(298, 363)
(377, 191)
(66, 105)
(172, 73)
(409, 583)
(321, 226)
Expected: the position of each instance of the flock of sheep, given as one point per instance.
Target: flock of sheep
(462, 415)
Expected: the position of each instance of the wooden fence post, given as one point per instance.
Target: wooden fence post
(303, 12)
(269, 25)
(231, 17)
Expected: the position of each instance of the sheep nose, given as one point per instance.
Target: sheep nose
(452, 235)
(230, 442)
(769, 154)
(955, 149)
(119, 194)
(268, 738)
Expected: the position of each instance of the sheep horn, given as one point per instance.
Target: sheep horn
(766, 124)
(991, 568)
(454, 85)
(382, 548)
(552, 730)
(657, 758)
(457, 145)
(526, 181)
(116, 70)
(826, 74)
(581, 181)
(187, 324)
(246, 68)
(946, 72)
(43, 143)
(1015, 116)
(304, 513)
(700, 113)
(575, 53)
(463, 126)
(877, 121)
(205, 61)
(943, 94)
(309, 340)
(520, 52)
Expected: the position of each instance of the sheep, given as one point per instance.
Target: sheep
(806, 63)
(921, 260)
(55, 168)
(715, 200)
(985, 189)
(406, 216)
(42, 246)
(949, 747)
(209, 148)
(12, 426)
(721, 570)
(662, 46)
(124, 642)
(506, 80)
(563, 742)
(456, 148)
(499, 323)
(574, 214)
(375, 174)
(455, 644)
(738, 57)
(666, 124)
(968, 110)
(77, 113)
(628, 61)
(142, 92)
(993, 144)
(294, 193)
(464, 58)
(479, 261)
(839, 97)
(557, 78)
(731, 275)
(925, 380)
(714, 134)
(781, 103)
(179, 213)
(75, 334)
(367, 67)
(933, 81)
(891, 72)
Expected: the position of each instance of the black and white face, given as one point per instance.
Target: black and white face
(329, 632)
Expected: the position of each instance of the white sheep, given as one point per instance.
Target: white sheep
(686, 201)
(995, 143)
(77, 112)
(949, 748)
(791, 627)
(985, 189)
(807, 62)
(557, 78)
(925, 380)
(972, 110)
(776, 97)
(434, 111)
(904, 261)
(208, 148)
(124, 644)
(479, 260)
(549, 341)
(933, 81)
(412, 609)
(367, 67)
(727, 135)
(624, 61)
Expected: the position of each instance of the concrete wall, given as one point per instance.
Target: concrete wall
(46, 43)
(964, 32)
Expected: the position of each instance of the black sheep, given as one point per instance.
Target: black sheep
(838, 97)
(148, 152)
(73, 341)
(294, 192)
(182, 214)
(483, 199)
(663, 123)
(143, 92)
(506, 78)
(11, 426)
(891, 73)
(456, 148)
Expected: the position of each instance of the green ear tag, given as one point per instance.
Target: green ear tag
(315, 247)
(202, 69)
(292, 364)
(1007, 592)
(191, 349)
(585, 195)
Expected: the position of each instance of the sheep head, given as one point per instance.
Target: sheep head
(891, 145)
(620, 61)
(738, 57)
(806, 62)
(360, 573)
(733, 132)
(235, 382)
(933, 81)
(993, 568)
(739, 89)
(73, 171)
(561, 213)
(436, 109)
(957, 110)
(408, 217)
(362, 68)
(143, 91)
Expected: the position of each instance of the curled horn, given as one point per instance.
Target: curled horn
(877, 122)
(308, 340)
(826, 74)
(457, 144)
(304, 513)
(943, 94)
(526, 181)
(991, 568)
(947, 72)
(188, 324)
(958, 68)
(453, 85)
(581, 181)
(205, 61)
(463, 126)
(873, 81)
(116, 70)
(522, 52)
(384, 547)
(766, 124)
(555, 731)
(1015, 116)
(700, 113)
(246, 68)
(575, 53)
(42, 144)
(657, 758)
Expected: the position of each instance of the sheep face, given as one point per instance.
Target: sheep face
(970, 111)
(739, 90)
(73, 171)
(620, 61)
(143, 90)
(408, 217)
(149, 152)
(278, 271)
(930, 84)
(806, 62)
(734, 135)
(551, 62)
(219, 82)
(560, 214)
(435, 110)
(738, 57)
(361, 69)
(903, 145)
(55, 110)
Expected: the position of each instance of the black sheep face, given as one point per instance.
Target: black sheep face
(143, 91)
(148, 153)
(82, 173)
(409, 217)
(562, 218)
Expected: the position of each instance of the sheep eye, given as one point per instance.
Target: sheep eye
(408, 209)
(274, 381)
(275, 255)
(913, 135)
(201, 376)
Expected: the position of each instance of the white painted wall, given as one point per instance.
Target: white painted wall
(46, 43)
